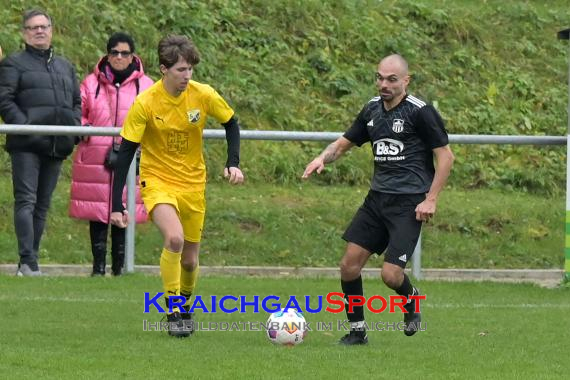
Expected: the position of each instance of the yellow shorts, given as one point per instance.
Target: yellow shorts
(190, 205)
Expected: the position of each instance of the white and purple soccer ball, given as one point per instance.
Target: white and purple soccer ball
(286, 327)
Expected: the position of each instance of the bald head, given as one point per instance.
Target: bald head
(395, 63)
(392, 79)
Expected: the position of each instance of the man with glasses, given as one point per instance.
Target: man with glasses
(405, 134)
(36, 88)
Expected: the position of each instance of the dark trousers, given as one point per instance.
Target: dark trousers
(34, 178)
(98, 232)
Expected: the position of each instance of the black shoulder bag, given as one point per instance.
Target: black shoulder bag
(112, 156)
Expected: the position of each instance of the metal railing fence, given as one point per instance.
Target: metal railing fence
(259, 135)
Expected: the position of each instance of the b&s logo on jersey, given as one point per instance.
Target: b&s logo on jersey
(388, 150)
(398, 126)
(193, 116)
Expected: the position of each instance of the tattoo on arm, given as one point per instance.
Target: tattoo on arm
(330, 153)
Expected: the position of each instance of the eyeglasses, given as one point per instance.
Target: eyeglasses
(116, 53)
(37, 28)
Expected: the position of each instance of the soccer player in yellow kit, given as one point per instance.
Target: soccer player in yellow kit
(167, 121)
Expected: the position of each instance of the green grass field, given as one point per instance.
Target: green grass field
(78, 327)
(301, 225)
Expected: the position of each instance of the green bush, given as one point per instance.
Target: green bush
(491, 67)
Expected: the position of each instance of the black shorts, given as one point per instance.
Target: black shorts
(387, 222)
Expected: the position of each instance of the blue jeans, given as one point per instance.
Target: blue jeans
(34, 178)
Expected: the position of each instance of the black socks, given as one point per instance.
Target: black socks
(353, 288)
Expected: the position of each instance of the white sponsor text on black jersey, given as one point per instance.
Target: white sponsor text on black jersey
(402, 140)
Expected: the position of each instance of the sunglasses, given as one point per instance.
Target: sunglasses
(116, 53)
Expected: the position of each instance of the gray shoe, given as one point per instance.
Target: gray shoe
(25, 270)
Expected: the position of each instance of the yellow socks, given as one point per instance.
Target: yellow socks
(170, 272)
(188, 283)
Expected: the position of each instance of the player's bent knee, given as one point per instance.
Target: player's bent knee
(393, 279)
(189, 265)
(349, 270)
(390, 282)
(174, 243)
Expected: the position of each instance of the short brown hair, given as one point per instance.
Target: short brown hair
(170, 48)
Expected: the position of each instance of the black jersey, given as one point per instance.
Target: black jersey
(402, 140)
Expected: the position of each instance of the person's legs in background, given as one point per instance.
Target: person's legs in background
(98, 234)
(117, 250)
(34, 179)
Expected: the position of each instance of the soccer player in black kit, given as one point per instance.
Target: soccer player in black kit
(405, 134)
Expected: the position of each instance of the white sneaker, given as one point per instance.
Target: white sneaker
(25, 270)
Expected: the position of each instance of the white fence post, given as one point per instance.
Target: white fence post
(131, 208)
(417, 259)
(565, 36)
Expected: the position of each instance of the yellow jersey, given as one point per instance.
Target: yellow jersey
(169, 130)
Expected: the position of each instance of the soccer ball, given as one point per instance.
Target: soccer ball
(287, 327)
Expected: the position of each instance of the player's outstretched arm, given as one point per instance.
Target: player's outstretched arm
(330, 154)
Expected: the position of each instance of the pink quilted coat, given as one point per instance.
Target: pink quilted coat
(103, 105)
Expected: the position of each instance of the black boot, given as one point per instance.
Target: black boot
(98, 232)
(117, 250)
(177, 326)
(411, 318)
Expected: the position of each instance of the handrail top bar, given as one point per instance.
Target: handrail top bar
(276, 135)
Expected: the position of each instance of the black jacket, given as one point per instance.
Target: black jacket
(38, 88)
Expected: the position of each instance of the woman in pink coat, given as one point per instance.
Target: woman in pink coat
(106, 94)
